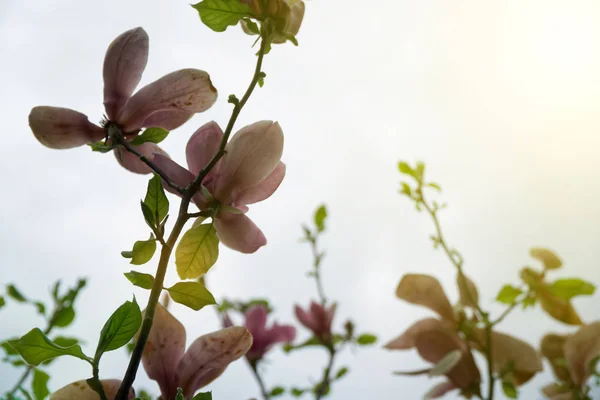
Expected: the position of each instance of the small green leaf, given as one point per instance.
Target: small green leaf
(297, 392)
(2, 301)
(8, 348)
(509, 390)
(156, 200)
(142, 252)
(406, 189)
(203, 396)
(120, 328)
(569, 288)
(41, 308)
(320, 217)
(191, 294)
(288, 347)
(144, 281)
(366, 339)
(406, 169)
(39, 384)
(153, 135)
(277, 391)
(448, 362)
(197, 251)
(64, 341)
(15, 294)
(24, 393)
(179, 394)
(35, 348)
(252, 26)
(341, 372)
(420, 171)
(508, 294)
(292, 39)
(547, 257)
(219, 14)
(100, 147)
(64, 317)
(148, 216)
(435, 186)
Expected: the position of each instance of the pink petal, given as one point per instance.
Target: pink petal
(408, 338)
(81, 391)
(305, 318)
(201, 148)
(132, 163)
(264, 189)
(256, 320)
(425, 290)
(164, 350)
(168, 119)
(238, 232)
(124, 63)
(252, 155)
(176, 173)
(440, 390)
(282, 333)
(580, 349)
(186, 90)
(62, 128)
(214, 351)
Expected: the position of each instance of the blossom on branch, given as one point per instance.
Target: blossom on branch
(166, 103)
(318, 319)
(287, 16)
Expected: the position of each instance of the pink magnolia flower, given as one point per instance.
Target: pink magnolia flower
(264, 338)
(579, 350)
(318, 319)
(166, 103)
(249, 172)
(166, 361)
(80, 390)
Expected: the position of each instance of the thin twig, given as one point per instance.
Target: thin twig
(326, 380)
(259, 380)
(317, 255)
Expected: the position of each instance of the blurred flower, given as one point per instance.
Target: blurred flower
(166, 103)
(572, 358)
(286, 14)
(264, 338)
(249, 172)
(80, 390)
(318, 319)
(166, 361)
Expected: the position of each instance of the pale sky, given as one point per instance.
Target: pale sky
(500, 99)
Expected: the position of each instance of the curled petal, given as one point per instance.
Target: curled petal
(164, 350)
(469, 297)
(425, 290)
(132, 162)
(256, 320)
(440, 390)
(238, 232)
(408, 338)
(580, 349)
(553, 348)
(62, 128)
(264, 189)
(292, 23)
(305, 318)
(252, 155)
(282, 333)
(80, 390)
(186, 90)
(202, 146)
(168, 119)
(210, 352)
(124, 63)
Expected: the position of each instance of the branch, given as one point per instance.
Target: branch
(259, 380)
(326, 380)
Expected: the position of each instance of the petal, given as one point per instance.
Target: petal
(62, 128)
(202, 146)
(209, 352)
(186, 90)
(292, 24)
(168, 119)
(176, 173)
(164, 350)
(124, 63)
(425, 290)
(81, 391)
(547, 257)
(557, 307)
(408, 338)
(264, 189)
(238, 232)
(557, 392)
(132, 162)
(440, 390)
(469, 297)
(580, 349)
(281, 333)
(553, 348)
(305, 318)
(252, 155)
(256, 320)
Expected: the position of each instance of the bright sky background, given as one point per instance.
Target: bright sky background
(500, 99)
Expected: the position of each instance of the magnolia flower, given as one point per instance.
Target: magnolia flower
(166, 361)
(435, 338)
(166, 103)
(287, 14)
(263, 338)
(249, 172)
(80, 390)
(318, 319)
(572, 358)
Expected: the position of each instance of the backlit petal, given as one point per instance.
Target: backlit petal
(132, 162)
(238, 232)
(425, 290)
(62, 128)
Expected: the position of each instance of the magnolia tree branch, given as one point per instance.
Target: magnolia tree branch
(182, 218)
(261, 384)
(326, 380)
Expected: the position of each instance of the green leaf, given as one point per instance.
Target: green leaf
(39, 384)
(276, 391)
(153, 135)
(547, 257)
(148, 216)
(191, 294)
(341, 372)
(35, 348)
(313, 341)
(509, 390)
(406, 169)
(508, 294)
(320, 217)
(156, 200)
(2, 301)
(252, 27)
(100, 147)
(64, 317)
(406, 189)
(179, 394)
(15, 294)
(420, 171)
(203, 396)
(144, 395)
(144, 281)
(8, 348)
(120, 328)
(435, 186)
(297, 392)
(41, 308)
(142, 252)
(219, 14)
(448, 362)
(569, 288)
(64, 341)
(366, 339)
(197, 251)
(292, 39)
